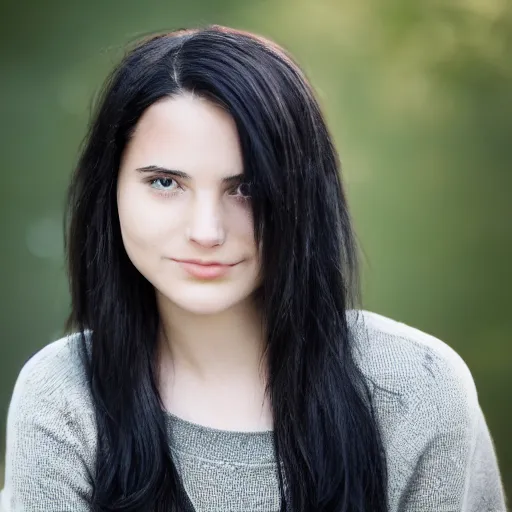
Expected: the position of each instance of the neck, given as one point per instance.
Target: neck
(212, 347)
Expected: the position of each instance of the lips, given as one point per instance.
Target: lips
(206, 263)
(205, 270)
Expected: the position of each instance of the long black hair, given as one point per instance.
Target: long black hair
(326, 435)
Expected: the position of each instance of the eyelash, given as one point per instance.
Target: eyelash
(174, 191)
(165, 193)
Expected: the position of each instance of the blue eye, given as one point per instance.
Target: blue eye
(163, 183)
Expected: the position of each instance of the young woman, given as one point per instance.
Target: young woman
(218, 361)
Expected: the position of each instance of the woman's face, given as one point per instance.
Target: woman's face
(181, 197)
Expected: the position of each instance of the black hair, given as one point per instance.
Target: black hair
(326, 434)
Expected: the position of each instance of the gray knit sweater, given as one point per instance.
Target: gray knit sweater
(440, 455)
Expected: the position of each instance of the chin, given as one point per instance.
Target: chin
(204, 301)
(203, 307)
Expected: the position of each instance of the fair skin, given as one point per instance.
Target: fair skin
(212, 340)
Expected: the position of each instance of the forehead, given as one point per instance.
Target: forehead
(187, 133)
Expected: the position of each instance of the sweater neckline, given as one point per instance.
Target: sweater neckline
(217, 445)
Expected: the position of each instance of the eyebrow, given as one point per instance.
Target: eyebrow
(184, 175)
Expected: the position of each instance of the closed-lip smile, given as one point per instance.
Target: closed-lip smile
(205, 270)
(205, 263)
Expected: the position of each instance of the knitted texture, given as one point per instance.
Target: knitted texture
(439, 451)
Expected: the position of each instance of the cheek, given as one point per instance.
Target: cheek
(242, 224)
(145, 222)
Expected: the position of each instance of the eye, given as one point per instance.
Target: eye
(242, 190)
(164, 184)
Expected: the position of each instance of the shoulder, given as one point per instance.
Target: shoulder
(439, 450)
(51, 431)
(52, 379)
(413, 369)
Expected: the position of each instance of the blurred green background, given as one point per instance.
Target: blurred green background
(419, 97)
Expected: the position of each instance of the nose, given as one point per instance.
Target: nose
(205, 226)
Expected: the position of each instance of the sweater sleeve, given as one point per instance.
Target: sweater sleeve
(484, 486)
(47, 459)
(457, 470)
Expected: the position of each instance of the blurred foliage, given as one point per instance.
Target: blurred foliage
(418, 96)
